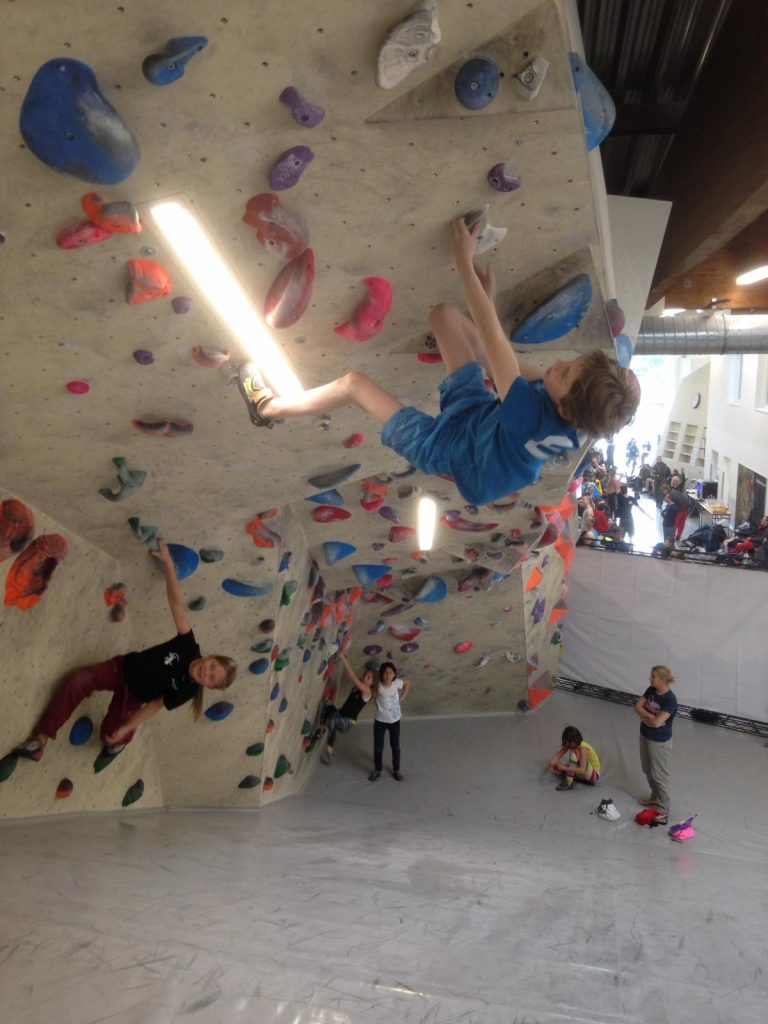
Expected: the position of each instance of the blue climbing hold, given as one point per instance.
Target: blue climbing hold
(597, 108)
(185, 560)
(275, 692)
(306, 656)
(369, 575)
(331, 497)
(259, 667)
(624, 349)
(166, 67)
(558, 315)
(244, 588)
(66, 122)
(477, 83)
(285, 561)
(81, 731)
(336, 550)
(282, 706)
(433, 589)
(219, 711)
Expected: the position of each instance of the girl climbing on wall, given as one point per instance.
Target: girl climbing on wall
(342, 719)
(581, 760)
(141, 683)
(389, 693)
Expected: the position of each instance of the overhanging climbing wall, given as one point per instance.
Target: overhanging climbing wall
(91, 378)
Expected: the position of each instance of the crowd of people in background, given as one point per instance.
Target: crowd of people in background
(610, 499)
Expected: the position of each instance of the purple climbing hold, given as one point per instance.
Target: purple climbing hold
(303, 112)
(500, 179)
(538, 610)
(409, 648)
(372, 649)
(389, 513)
(143, 356)
(182, 304)
(378, 546)
(289, 167)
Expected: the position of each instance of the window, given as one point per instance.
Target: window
(734, 379)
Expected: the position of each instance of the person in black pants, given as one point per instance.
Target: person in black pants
(389, 694)
(342, 719)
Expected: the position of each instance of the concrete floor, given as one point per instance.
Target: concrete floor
(470, 892)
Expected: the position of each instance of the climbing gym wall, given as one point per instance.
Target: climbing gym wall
(325, 154)
(64, 605)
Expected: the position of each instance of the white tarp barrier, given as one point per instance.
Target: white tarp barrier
(708, 624)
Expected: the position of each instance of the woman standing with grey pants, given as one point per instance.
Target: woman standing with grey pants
(657, 709)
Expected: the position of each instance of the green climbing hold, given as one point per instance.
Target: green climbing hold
(306, 727)
(8, 766)
(255, 749)
(281, 662)
(134, 793)
(249, 782)
(104, 760)
(289, 590)
(282, 767)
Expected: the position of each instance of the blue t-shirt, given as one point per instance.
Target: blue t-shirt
(503, 446)
(656, 702)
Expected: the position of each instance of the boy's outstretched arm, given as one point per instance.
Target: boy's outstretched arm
(502, 361)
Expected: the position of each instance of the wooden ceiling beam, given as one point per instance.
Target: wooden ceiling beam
(716, 172)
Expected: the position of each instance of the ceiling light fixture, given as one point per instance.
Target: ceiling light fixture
(672, 311)
(427, 518)
(210, 274)
(752, 276)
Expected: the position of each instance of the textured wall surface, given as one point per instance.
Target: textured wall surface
(377, 200)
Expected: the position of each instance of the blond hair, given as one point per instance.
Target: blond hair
(603, 398)
(230, 667)
(663, 673)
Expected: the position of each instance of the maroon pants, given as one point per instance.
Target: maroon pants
(680, 523)
(107, 675)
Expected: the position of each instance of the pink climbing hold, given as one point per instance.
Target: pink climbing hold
(398, 533)
(354, 441)
(368, 318)
(279, 231)
(463, 647)
(290, 292)
(211, 358)
(404, 633)
(429, 357)
(457, 522)
(329, 514)
(78, 387)
(83, 233)
(616, 318)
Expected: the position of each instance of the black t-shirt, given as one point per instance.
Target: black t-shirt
(353, 705)
(162, 672)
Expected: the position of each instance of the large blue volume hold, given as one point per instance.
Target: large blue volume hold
(597, 108)
(477, 83)
(66, 122)
(558, 315)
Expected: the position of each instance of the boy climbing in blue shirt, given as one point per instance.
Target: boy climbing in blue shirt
(491, 444)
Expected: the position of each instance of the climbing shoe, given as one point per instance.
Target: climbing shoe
(255, 394)
(32, 749)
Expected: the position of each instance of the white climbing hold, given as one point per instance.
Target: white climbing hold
(408, 45)
(482, 662)
(488, 237)
(530, 79)
(514, 658)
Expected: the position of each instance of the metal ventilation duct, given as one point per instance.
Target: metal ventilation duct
(694, 335)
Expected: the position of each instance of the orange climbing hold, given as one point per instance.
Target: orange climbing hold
(535, 579)
(17, 524)
(120, 216)
(30, 574)
(148, 280)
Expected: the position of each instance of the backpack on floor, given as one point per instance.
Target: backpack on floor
(683, 831)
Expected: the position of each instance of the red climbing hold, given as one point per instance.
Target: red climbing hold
(429, 357)
(78, 387)
(329, 514)
(120, 217)
(83, 233)
(368, 318)
(17, 524)
(398, 533)
(64, 789)
(210, 358)
(30, 574)
(354, 441)
(463, 647)
(290, 292)
(279, 231)
(148, 280)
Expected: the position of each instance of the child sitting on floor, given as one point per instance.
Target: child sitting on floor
(581, 760)
(490, 444)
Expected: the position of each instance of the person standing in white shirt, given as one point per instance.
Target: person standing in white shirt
(389, 694)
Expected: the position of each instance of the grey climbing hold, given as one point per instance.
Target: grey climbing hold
(408, 45)
(333, 477)
(487, 237)
(182, 304)
(303, 112)
(529, 80)
(211, 554)
(143, 531)
(130, 480)
(197, 604)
